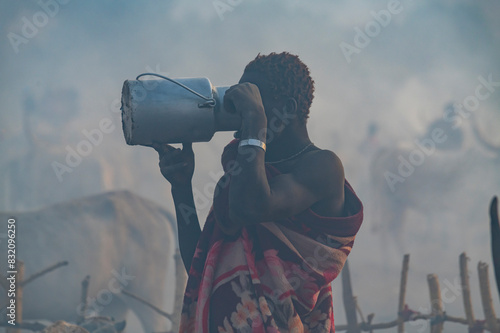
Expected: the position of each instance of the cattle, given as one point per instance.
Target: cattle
(124, 242)
(428, 176)
(50, 161)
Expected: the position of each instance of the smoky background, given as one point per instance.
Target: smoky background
(67, 77)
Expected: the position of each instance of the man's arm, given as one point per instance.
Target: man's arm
(177, 166)
(252, 199)
(188, 226)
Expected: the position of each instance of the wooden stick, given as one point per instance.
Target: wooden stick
(436, 303)
(349, 301)
(402, 292)
(464, 277)
(83, 299)
(395, 322)
(43, 272)
(18, 297)
(378, 326)
(23, 283)
(453, 319)
(495, 239)
(369, 321)
(19, 292)
(484, 286)
(143, 301)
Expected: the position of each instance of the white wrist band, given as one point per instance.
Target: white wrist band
(253, 142)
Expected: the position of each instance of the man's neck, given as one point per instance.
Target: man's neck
(287, 144)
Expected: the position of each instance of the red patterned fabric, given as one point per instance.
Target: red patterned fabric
(270, 277)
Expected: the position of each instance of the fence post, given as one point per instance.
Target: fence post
(484, 286)
(83, 300)
(18, 297)
(349, 301)
(436, 304)
(464, 278)
(402, 292)
(495, 240)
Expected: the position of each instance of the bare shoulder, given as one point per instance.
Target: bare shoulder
(321, 171)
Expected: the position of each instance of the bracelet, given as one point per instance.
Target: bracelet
(253, 142)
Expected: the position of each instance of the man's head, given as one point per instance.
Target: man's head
(286, 80)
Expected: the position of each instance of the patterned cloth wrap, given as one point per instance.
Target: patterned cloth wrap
(269, 277)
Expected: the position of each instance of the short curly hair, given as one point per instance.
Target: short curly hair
(289, 76)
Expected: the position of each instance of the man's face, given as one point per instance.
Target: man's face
(274, 105)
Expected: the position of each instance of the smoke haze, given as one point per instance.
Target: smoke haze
(430, 54)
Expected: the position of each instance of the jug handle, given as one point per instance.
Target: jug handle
(210, 102)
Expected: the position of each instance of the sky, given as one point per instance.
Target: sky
(63, 64)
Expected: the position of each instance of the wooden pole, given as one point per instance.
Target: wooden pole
(394, 323)
(43, 272)
(495, 240)
(83, 299)
(484, 286)
(402, 292)
(19, 293)
(464, 277)
(143, 301)
(436, 304)
(19, 297)
(349, 301)
(369, 321)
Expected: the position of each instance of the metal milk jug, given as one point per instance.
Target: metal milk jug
(174, 110)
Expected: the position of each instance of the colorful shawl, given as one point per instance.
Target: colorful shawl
(270, 277)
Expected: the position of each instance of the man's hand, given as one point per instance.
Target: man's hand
(176, 165)
(244, 98)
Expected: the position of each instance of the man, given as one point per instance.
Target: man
(283, 218)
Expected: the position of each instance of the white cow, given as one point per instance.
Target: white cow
(120, 239)
(429, 177)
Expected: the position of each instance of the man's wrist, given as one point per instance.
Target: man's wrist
(253, 142)
(254, 127)
(182, 189)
